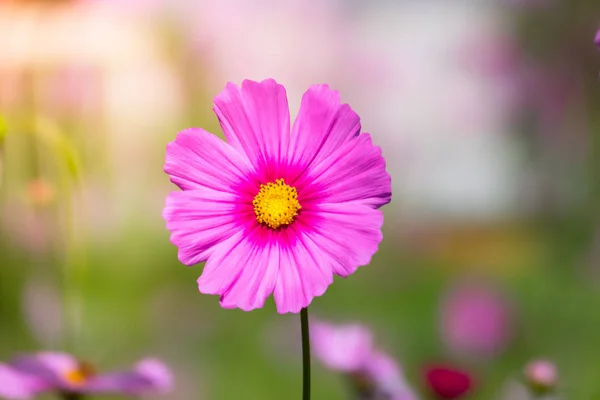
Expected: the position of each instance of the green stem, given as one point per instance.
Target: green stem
(305, 355)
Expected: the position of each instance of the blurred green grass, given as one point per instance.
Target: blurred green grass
(139, 300)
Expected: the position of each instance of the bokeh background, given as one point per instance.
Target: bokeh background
(487, 114)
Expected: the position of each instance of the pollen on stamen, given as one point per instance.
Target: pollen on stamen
(276, 204)
(80, 374)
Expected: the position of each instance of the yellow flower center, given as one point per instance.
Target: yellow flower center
(79, 375)
(276, 204)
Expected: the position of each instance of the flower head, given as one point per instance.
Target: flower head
(597, 38)
(349, 349)
(64, 373)
(475, 320)
(541, 375)
(273, 210)
(448, 383)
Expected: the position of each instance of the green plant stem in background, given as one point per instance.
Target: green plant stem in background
(305, 354)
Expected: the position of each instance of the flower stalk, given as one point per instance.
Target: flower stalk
(305, 354)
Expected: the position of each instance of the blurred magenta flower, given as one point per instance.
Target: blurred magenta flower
(541, 375)
(597, 38)
(475, 321)
(16, 385)
(342, 348)
(448, 382)
(65, 374)
(349, 349)
(271, 212)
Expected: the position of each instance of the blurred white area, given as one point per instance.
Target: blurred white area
(441, 113)
(297, 42)
(434, 82)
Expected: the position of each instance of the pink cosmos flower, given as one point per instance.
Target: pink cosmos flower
(349, 349)
(65, 374)
(272, 211)
(16, 385)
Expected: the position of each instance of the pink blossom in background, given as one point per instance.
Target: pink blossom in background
(15, 385)
(272, 212)
(64, 373)
(343, 348)
(475, 321)
(597, 38)
(349, 349)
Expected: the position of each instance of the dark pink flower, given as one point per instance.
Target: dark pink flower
(448, 383)
(597, 38)
(274, 211)
(475, 320)
(349, 349)
(64, 373)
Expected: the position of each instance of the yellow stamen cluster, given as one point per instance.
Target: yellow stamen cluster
(276, 204)
(79, 375)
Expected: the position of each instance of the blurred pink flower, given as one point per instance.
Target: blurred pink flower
(597, 38)
(349, 349)
(64, 373)
(274, 212)
(343, 348)
(541, 375)
(475, 321)
(16, 385)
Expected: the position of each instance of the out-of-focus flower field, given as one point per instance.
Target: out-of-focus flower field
(487, 113)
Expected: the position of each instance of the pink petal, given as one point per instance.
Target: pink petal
(201, 219)
(17, 385)
(354, 172)
(198, 159)
(256, 121)
(51, 368)
(325, 238)
(344, 348)
(346, 234)
(243, 269)
(388, 377)
(155, 372)
(257, 277)
(322, 126)
(252, 264)
(149, 376)
(304, 273)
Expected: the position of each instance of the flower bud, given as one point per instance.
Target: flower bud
(541, 376)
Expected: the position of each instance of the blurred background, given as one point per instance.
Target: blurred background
(487, 114)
